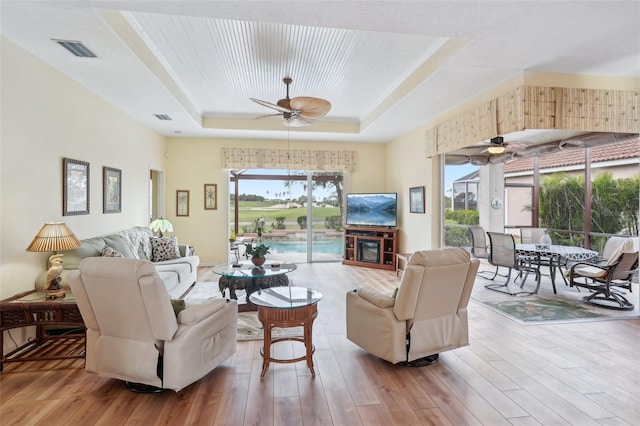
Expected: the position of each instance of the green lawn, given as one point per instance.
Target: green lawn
(252, 210)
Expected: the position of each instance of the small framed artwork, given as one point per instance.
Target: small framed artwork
(75, 187)
(210, 196)
(416, 199)
(182, 202)
(111, 190)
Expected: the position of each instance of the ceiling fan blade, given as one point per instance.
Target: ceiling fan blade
(278, 114)
(517, 146)
(270, 105)
(499, 158)
(297, 122)
(311, 107)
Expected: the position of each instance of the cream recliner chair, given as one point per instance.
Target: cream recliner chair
(133, 333)
(427, 316)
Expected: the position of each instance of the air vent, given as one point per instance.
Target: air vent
(162, 116)
(77, 48)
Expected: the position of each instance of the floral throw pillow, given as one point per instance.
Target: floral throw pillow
(110, 252)
(164, 248)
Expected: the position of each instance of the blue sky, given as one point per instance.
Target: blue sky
(274, 187)
(452, 173)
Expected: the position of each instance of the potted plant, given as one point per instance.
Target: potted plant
(257, 253)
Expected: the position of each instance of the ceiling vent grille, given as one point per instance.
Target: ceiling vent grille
(162, 116)
(77, 48)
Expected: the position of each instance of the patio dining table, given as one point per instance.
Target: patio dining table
(557, 256)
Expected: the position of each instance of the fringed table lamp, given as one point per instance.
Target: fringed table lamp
(54, 237)
(161, 225)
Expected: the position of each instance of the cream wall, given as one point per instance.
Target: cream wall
(46, 116)
(407, 167)
(192, 162)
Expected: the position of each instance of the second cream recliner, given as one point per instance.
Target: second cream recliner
(133, 333)
(428, 314)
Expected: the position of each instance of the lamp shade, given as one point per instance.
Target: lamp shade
(54, 236)
(161, 225)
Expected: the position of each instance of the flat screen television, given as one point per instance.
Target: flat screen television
(374, 209)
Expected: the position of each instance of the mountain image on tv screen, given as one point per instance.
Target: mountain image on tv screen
(372, 209)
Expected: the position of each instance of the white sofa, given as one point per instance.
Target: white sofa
(135, 243)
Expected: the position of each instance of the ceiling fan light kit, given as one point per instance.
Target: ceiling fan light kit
(300, 111)
(497, 145)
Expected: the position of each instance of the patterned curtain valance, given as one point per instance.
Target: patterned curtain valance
(300, 159)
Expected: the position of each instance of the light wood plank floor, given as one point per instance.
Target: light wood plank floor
(579, 373)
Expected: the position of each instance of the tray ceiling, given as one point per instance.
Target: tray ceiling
(387, 67)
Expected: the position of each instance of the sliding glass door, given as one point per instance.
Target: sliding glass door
(300, 211)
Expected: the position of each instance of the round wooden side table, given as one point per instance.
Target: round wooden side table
(287, 307)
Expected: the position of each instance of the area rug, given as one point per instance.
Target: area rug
(250, 328)
(202, 291)
(541, 311)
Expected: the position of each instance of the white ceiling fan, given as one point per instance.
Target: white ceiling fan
(498, 145)
(297, 112)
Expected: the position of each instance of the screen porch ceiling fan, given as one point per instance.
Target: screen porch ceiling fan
(498, 145)
(300, 111)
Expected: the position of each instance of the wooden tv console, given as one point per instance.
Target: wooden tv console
(371, 247)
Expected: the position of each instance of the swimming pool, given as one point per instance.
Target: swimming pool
(326, 246)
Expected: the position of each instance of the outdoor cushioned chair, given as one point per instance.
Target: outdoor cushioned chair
(604, 279)
(133, 333)
(427, 316)
(611, 246)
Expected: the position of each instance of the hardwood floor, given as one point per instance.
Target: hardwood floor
(585, 373)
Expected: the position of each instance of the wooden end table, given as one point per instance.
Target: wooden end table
(31, 308)
(287, 307)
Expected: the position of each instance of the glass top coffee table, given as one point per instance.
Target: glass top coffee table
(287, 307)
(247, 276)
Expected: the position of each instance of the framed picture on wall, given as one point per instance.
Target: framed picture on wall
(75, 187)
(210, 196)
(111, 190)
(416, 199)
(182, 202)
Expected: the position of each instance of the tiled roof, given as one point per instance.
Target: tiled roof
(616, 151)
